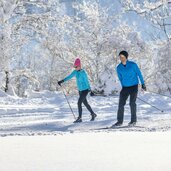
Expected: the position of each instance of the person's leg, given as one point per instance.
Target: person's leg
(93, 115)
(133, 106)
(80, 101)
(122, 101)
(85, 102)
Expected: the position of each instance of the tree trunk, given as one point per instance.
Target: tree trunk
(6, 81)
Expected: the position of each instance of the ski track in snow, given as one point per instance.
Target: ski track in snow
(48, 114)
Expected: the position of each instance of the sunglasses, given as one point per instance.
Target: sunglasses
(76, 66)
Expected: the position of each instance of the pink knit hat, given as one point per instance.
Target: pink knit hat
(77, 62)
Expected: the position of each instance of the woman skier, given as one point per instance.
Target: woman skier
(83, 87)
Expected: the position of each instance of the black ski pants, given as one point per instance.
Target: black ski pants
(82, 99)
(124, 94)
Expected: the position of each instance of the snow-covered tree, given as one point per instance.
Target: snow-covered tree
(7, 9)
(97, 37)
(159, 14)
(22, 22)
(42, 43)
(162, 69)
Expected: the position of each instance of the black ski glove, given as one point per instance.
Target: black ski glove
(60, 82)
(144, 87)
(91, 93)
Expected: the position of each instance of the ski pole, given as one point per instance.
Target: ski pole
(67, 101)
(150, 104)
(159, 94)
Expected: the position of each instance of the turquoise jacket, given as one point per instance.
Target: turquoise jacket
(81, 78)
(129, 74)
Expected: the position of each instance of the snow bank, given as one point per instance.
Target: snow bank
(40, 94)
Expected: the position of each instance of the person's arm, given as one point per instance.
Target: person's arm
(140, 77)
(119, 75)
(86, 80)
(139, 74)
(70, 76)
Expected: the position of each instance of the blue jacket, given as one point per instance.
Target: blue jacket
(130, 74)
(81, 78)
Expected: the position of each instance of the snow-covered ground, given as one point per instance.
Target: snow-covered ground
(48, 113)
(75, 147)
(115, 151)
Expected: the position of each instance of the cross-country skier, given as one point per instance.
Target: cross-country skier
(129, 75)
(83, 87)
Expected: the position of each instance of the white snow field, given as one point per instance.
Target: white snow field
(115, 151)
(38, 134)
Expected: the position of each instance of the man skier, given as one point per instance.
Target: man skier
(129, 75)
(83, 87)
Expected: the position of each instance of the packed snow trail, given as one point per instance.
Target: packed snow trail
(47, 113)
